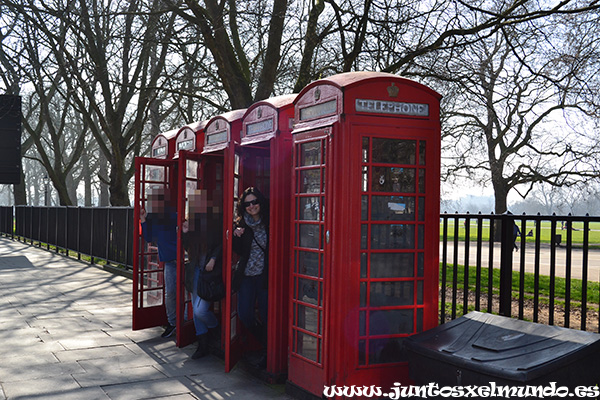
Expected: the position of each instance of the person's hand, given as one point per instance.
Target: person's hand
(143, 214)
(239, 231)
(210, 265)
(185, 227)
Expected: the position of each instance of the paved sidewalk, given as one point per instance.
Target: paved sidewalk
(65, 333)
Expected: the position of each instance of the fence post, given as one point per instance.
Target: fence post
(506, 250)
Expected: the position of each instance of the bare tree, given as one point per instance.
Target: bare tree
(510, 117)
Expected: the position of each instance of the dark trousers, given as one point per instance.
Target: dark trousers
(253, 291)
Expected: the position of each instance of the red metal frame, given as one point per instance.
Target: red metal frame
(399, 224)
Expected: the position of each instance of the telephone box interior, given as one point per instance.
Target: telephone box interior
(220, 171)
(365, 231)
(265, 152)
(188, 145)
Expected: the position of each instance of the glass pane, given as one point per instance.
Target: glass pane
(365, 149)
(393, 179)
(421, 208)
(392, 265)
(152, 298)
(421, 181)
(362, 353)
(422, 152)
(309, 236)
(236, 164)
(419, 292)
(192, 169)
(308, 291)
(394, 151)
(363, 236)
(362, 323)
(383, 351)
(419, 320)
(420, 264)
(364, 210)
(363, 265)
(308, 263)
(309, 209)
(363, 294)
(392, 208)
(310, 181)
(365, 179)
(310, 153)
(392, 236)
(306, 346)
(390, 322)
(308, 318)
(385, 294)
(156, 174)
(421, 236)
(320, 322)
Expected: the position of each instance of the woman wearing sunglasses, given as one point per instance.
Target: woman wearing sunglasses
(251, 243)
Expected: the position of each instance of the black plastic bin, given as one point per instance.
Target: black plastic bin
(480, 348)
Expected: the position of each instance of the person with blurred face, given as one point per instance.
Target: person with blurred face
(159, 226)
(202, 238)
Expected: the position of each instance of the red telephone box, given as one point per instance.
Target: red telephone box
(188, 145)
(220, 171)
(266, 151)
(162, 171)
(365, 228)
(163, 145)
(148, 271)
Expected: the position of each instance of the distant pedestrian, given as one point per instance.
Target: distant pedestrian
(516, 234)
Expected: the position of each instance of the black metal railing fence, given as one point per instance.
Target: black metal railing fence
(543, 274)
(104, 233)
(549, 273)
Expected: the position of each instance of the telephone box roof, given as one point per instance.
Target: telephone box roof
(347, 80)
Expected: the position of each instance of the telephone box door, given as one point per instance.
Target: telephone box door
(148, 277)
(310, 262)
(189, 183)
(233, 339)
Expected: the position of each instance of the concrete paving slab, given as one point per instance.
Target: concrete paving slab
(99, 377)
(19, 372)
(95, 353)
(120, 362)
(177, 388)
(41, 388)
(206, 365)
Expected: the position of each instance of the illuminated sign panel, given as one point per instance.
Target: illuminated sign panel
(217, 137)
(259, 127)
(159, 151)
(392, 107)
(318, 110)
(185, 145)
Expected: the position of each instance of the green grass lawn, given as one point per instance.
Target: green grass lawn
(545, 232)
(560, 285)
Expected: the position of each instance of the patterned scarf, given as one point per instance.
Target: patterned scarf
(256, 261)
